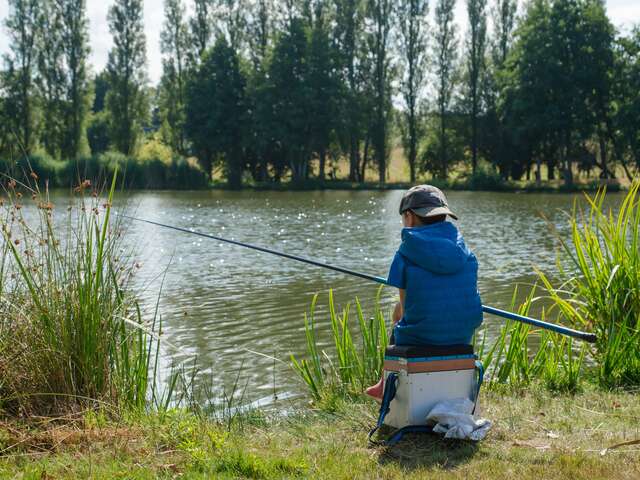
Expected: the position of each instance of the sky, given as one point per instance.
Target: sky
(623, 13)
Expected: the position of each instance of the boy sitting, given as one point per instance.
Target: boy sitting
(437, 276)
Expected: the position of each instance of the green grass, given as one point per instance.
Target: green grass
(71, 332)
(535, 435)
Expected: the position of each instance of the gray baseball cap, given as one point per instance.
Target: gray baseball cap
(425, 201)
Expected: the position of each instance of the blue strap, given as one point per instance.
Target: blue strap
(398, 434)
(480, 371)
(390, 386)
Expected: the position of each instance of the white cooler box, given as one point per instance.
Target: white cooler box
(426, 376)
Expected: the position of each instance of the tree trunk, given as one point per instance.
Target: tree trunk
(323, 158)
(365, 159)
(353, 158)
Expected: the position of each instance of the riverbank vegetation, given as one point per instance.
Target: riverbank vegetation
(598, 268)
(309, 93)
(78, 395)
(71, 332)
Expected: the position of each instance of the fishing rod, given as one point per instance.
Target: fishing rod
(570, 332)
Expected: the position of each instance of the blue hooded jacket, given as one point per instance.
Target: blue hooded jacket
(440, 275)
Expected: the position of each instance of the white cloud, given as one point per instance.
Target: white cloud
(623, 13)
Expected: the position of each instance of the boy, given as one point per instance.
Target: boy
(437, 276)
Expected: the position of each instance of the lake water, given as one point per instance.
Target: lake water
(231, 308)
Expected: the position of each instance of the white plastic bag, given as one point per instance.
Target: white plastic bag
(454, 419)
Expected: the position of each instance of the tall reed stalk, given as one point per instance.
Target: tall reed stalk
(71, 333)
(353, 365)
(601, 290)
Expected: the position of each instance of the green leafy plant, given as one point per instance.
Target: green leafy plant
(600, 290)
(355, 365)
(71, 331)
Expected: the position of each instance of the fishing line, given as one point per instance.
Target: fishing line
(570, 332)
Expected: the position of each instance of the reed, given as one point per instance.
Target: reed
(353, 365)
(71, 332)
(521, 354)
(600, 290)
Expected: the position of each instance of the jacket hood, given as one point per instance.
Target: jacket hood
(438, 248)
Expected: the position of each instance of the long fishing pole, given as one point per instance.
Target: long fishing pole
(570, 332)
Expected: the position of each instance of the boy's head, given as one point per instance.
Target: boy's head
(424, 205)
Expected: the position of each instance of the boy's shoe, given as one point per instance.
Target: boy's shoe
(376, 391)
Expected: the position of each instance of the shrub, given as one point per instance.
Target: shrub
(71, 332)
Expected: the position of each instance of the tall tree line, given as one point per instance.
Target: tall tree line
(274, 89)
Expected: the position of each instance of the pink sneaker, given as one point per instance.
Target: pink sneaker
(376, 391)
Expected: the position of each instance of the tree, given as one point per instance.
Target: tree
(413, 42)
(232, 22)
(504, 23)
(494, 142)
(523, 105)
(201, 28)
(22, 30)
(174, 42)
(445, 59)
(51, 78)
(288, 92)
(216, 111)
(379, 14)
(626, 94)
(324, 88)
(126, 99)
(75, 41)
(476, 51)
(348, 38)
(260, 27)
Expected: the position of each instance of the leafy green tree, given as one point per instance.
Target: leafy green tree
(598, 37)
(126, 99)
(201, 28)
(324, 88)
(98, 127)
(260, 27)
(348, 36)
(288, 92)
(216, 111)
(476, 52)
(494, 136)
(62, 77)
(51, 78)
(413, 45)
(232, 22)
(626, 96)
(380, 14)
(174, 41)
(524, 94)
(75, 42)
(445, 57)
(21, 63)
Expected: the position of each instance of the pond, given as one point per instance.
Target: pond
(232, 310)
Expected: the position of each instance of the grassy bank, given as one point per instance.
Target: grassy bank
(535, 435)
